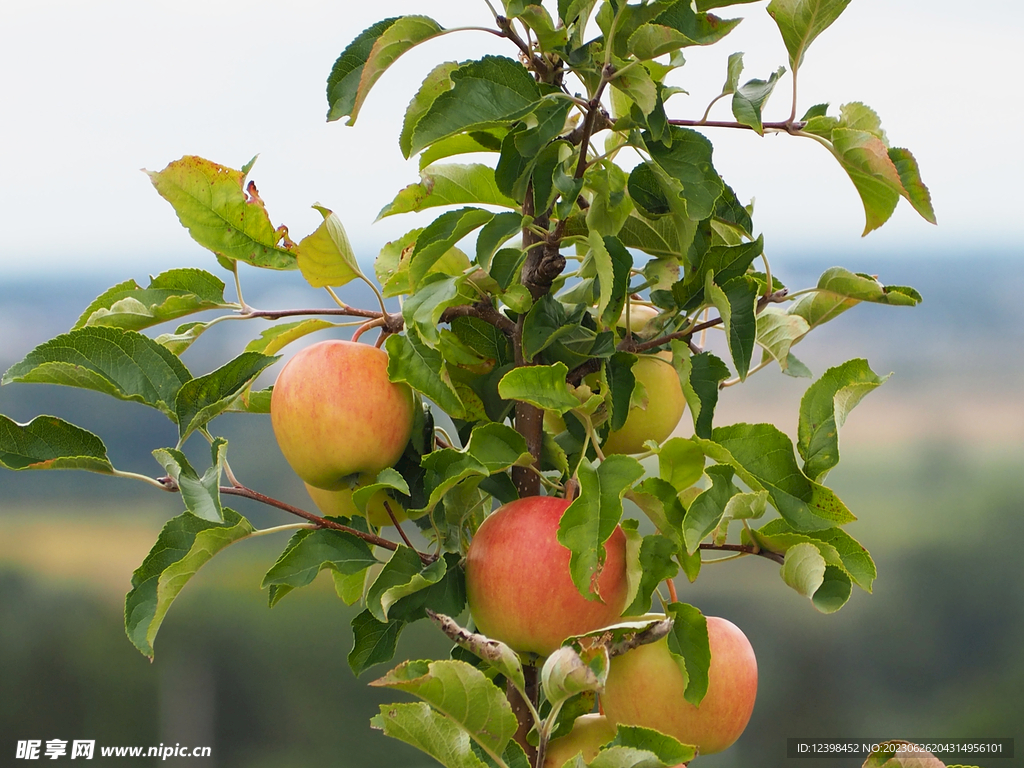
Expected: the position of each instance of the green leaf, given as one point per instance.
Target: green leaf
(367, 57)
(688, 642)
(494, 234)
(492, 448)
(763, 458)
(778, 331)
(206, 397)
(539, 20)
(405, 588)
(837, 547)
(733, 71)
(897, 754)
(699, 376)
(823, 410)
(804, 568)
(200, 494)
(749, 100)
(667, 749)
(124, 364)
(913, 188)
(736, 302)
(613, 263)
(697, 28)
(252, 402)
(801, 21)
(182, 338)
(47, 442)
(707, 5)
(422, 368)
(309, 552)
(171, 294)
(484, 339)
(438, 237)
(591, 518)
(429, 731)
(688, 160)
(423, 309)
(865, 158)
(638, 85)
(484, 93)
(725, 261)
(185, 544)
(657, 564)
(546, 321)
(325, 257)
(277, 337)
(463, 144)
(374, 642)
(706, 511)
(449, 185)
(839, 289)
(223, 214)
(541, 385)
(461, 695)
(438, 81)
(659, 500)
(680, 463)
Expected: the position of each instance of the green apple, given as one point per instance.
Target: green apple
(665, 406)
(340, 504)
(645, 687)
(639, 316)
(589, 733)
(518, 584)
(335, 413)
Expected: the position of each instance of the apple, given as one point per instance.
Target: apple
(639, 316)
(335, 413)
(665, 406)
(645, 687)
(518, 584)
(340, 504)
(589, 733)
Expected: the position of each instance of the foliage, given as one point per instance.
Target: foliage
(570, 243)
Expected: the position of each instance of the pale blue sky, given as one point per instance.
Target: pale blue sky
(92, 92)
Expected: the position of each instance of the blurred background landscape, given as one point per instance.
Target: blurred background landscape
(931, 463)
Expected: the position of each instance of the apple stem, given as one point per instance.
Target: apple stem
(375, 323)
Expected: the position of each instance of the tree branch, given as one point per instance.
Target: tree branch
(774, 298)
(787, 126)
(247, 493)
(745, 549)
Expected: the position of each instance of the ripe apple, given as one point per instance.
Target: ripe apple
(645, 687)
(335, 413)
(518, 584)
(589, 733)
(665, 406)
(340, 504)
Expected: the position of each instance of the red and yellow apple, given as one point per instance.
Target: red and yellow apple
(518, 584)
(665, 406)
(645, 687)
(340, 503)
(589, 733)
(335, 413)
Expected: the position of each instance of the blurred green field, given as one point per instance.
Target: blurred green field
(935, 652)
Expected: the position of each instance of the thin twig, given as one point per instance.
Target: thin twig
(398, 527)
(745, 549)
